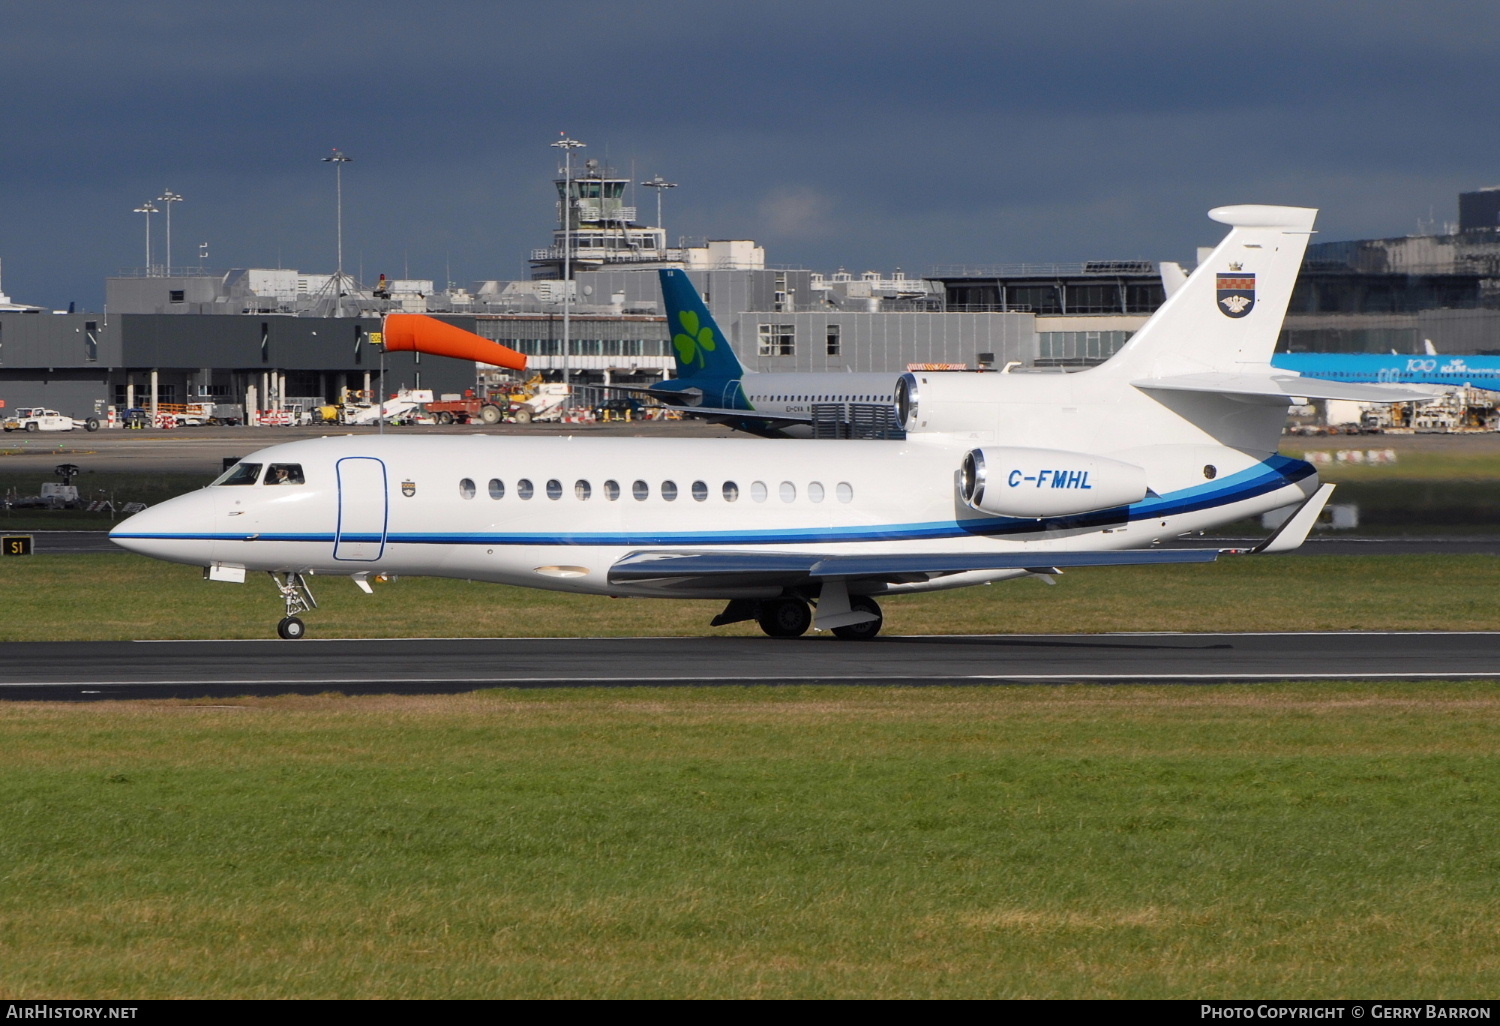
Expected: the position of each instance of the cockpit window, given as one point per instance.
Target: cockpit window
(240, 474)
(284, 473)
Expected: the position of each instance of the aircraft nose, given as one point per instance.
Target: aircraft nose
(179, 530)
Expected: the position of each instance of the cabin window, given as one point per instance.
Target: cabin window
(466, 488)
(758, 491)
(554, 489)
(497, 488)
(845, 491)
(524, 489)
(700, 491)
(284, 474)
(815, 492)
(611, 490)
(788, 492)
(581, 490)
(240, 474)
(669, 491)
(731, 491)
(641, 490)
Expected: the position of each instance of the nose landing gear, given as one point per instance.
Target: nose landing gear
(299, 599)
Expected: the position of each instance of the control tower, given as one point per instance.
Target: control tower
(602, 230)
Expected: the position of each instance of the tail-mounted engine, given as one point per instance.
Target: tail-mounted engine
(1036, 483)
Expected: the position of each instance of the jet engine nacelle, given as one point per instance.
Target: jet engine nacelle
(1016, 482)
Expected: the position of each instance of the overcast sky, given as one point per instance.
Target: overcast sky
(868, 135)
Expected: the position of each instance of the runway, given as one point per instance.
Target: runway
(94, 671)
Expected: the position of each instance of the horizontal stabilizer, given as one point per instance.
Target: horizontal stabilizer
(796, 567)
(1273, 384)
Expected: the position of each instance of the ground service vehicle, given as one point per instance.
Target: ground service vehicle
(470, 407)
(37, 418)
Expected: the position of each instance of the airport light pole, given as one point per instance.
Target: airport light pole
(338, 160)
(169, 197)
(567, 146)
(660, 184)
(148, 208)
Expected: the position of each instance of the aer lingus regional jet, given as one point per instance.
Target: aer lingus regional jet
(1000, 476)
(712, 383)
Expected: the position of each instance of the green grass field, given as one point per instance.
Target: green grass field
(1272, 841)
(108, 596)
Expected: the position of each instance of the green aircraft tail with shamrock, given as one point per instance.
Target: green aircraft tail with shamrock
(705, 361)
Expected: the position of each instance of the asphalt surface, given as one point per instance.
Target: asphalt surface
(94, 671)
(203, 450)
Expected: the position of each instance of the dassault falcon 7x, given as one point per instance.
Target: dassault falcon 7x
(1000, 476)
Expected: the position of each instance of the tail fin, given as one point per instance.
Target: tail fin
(1228, 313)
(1173, 277)
(700, 347)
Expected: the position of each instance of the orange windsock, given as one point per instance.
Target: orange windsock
(429, 335)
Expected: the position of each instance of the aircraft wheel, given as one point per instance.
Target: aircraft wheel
(489, 414)
(291, 628)
(784, 617)
(861, 631)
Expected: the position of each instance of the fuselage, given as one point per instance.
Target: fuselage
(773, 395)
(1474, 371)
(797, 393)
(557, 513)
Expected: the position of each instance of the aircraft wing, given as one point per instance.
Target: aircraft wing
(1287, 386)
(752, 569)
(687, 570)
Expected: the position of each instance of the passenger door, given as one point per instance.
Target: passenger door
(363, 509)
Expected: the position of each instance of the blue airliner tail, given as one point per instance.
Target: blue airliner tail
(700, 347)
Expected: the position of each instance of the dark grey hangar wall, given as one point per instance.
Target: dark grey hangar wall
(80, 363)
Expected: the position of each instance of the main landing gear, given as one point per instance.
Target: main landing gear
(299, 599)
(790, 616)
(861, 631)
(786, 617)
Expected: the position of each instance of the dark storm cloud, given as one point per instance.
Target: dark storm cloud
(863, 134)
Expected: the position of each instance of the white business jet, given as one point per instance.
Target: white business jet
(1001, 476)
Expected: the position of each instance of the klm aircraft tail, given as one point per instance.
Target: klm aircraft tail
(701, 349)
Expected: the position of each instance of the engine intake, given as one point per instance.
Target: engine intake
(1037, 483)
